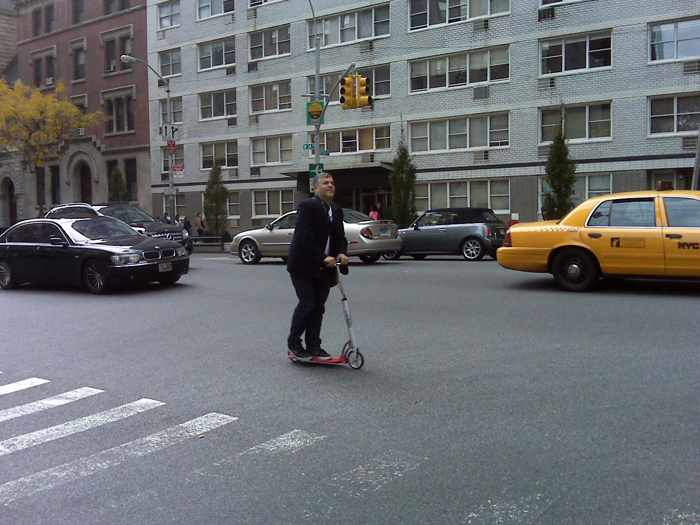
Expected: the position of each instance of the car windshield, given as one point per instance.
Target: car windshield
(128, 214)
(353, 217)
(103, 229)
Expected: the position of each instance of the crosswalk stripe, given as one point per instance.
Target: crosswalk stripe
(289, 442)
(21, 385)
(49, 402)
(73, 427)
(80, 468)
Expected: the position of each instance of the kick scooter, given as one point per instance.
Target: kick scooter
(350, 354)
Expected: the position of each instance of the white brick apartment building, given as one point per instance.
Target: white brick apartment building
(477, 85)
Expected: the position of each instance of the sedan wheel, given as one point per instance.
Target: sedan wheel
(249, 253)
(392, 256)
(7, 282)
(95, 277)
(575, 270)
(473, 250)
(369, 259)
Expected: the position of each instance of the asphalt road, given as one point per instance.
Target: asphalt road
(487, 397)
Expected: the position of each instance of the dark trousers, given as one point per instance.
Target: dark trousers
(312, 292)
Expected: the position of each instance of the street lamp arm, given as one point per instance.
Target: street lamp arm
(128, 58)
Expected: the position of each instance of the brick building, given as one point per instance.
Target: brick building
(78, 43)
(477, 86)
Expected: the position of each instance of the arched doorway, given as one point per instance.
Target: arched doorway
(85, 177)
(8, 203)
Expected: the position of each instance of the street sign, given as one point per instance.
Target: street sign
(314, 110)
(308, 146)
(315, 169)
(170, 132)
(172, 147)
(178, 171)
(324, 152)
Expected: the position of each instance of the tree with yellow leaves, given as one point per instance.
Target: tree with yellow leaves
(34, 125)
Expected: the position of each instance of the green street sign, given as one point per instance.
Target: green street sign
(315, 169)
(308, 146)
(314, 110)
(324, 152)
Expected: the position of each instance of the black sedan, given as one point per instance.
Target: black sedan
(96, 252)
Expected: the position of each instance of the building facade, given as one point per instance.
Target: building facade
(79, 43)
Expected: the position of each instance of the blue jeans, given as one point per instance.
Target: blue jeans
(312, 292)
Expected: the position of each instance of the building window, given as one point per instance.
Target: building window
(55, 184)
(489, 65)
(131, 176)
(493, 194)
(208, 8)
(49, 19)
(44, 67)
(350, 27)
(217, 54)
(234, 208)
(78, 12)
(124, 49)
(38, 71)
(170, 62)
(223, 154)
(675, 40)
(428, 13)
(176, 103)
(78, 64)
(585, 187)
(271, 97)
(679, 114)
(272, 150)
(165, 157)
(110, 6)
(378, 82)
(355, 140)
(217, 105)
(50, 65)
(272, 202)
(273, 42)
(119, 114)
(36, 22)
(475, 132)
(110, 56)
(169, 14)
(576, 53)
(580, 122)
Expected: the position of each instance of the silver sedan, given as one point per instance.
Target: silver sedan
(367, 238)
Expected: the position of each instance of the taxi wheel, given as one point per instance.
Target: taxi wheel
(249, 253)
(575, 270)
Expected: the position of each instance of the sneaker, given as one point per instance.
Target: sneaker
(299, 354)
(320, 353)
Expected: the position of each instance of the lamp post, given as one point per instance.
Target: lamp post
(127, 59)
(317, 86)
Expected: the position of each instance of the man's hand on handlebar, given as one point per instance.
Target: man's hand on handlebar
(330, 262)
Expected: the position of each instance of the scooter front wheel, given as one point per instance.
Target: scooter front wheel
(355, 358)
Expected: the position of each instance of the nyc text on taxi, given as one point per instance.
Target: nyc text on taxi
(645, 234)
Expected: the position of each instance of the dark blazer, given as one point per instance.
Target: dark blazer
(307, 251)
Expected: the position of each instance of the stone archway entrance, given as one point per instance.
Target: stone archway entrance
(8, 203)
(85, 179)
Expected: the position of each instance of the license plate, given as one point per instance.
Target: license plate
(165, 267)
(384, 232)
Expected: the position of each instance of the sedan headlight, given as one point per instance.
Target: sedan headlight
(126, 258)
(185, 234)
(181, 251)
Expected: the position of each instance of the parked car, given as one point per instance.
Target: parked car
(134, 216)
(367, 238)
(469, 232)
(95, 252)
(639, 234)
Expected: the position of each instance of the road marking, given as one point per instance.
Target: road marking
(73, 427)
(373, 475)
(49, 402)
(289, 442)
(87, 466)
(678, 517)
(21, 385)
(527, 510)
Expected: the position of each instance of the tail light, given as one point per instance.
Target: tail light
(489, 233)
(508, 241)
(366, 233)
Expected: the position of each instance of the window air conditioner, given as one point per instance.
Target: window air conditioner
(50, 81)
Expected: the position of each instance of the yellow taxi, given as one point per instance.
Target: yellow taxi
(652, 234)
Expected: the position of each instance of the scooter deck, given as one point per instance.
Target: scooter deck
(314, 361)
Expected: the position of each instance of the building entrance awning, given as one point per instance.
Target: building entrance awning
(364, 177)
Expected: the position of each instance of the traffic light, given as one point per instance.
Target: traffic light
(348, 99)
(363, 99)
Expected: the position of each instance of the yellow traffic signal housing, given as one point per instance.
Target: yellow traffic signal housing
(363, 99)
(348, 99)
